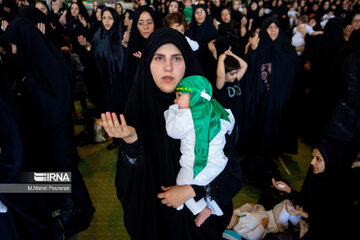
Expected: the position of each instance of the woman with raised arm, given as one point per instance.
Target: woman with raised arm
(148, 159)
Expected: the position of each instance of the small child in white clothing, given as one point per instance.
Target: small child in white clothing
(293, 15)
(201, 123)
(301, 30)
(177, 21)
(252, 221)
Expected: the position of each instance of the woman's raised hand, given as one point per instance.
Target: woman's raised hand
(113, 128)
(281, 186)
(83, 21)
(41, 27)
(254, 41)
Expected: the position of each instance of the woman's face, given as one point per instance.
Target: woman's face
(312, 22)
(107, 20)
(126, 19)
(74, 9)
(200, 16)
(41, 7)
(225, 16)
(273, 31)
(326, 5)
(315, 7)
(95, 5)
(145, 24)
(173, 7)
(98, 14)
(236, 5)
(118, 9)
(355, 23)
(217, 3)
(253, 6)
(244, 20)
(261, 11)
(317, 162)
(167, 67)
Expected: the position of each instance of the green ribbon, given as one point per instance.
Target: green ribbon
(206, 114)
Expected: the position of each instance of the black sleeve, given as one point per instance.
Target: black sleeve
(132, 150)
(49, 109)
(229, 182)
(200, 192)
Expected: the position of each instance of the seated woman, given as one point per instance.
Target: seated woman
(325, 176)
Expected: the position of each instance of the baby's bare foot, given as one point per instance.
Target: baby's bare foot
(202, 216)
(233, 221)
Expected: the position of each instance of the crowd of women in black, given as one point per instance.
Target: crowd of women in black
(55, 53)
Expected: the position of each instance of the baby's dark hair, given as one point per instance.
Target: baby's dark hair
(304, 18)
(231, 64)
(175, 18)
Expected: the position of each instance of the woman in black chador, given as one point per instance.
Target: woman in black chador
(109, 58)
(148, 159)
(144, 23)
(202, 31)
(271, 95)
(45, 107)
(108, 52)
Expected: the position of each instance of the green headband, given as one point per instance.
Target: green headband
(206, 114)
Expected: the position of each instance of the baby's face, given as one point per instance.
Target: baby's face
(179, 27)
(182, 100)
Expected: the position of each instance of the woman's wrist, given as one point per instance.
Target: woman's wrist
(131, 139)
(88, 46)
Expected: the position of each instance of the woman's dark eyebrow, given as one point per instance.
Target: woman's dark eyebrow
(162, 55)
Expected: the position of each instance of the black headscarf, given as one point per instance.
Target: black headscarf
(95, 24)
(144, 95)
(271, 103)
(42, 62)
(203, 33)
(109, 53)
(82, 11)
(36, 16)
(33, 14)
(136, 42)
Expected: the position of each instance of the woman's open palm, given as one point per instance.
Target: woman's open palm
(113, 128)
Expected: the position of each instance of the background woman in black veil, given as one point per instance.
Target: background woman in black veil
(25, 217)
(108, 53)
(148, 158)
(202, 30)
(136, 41)
(44, 105)
(271, 89)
